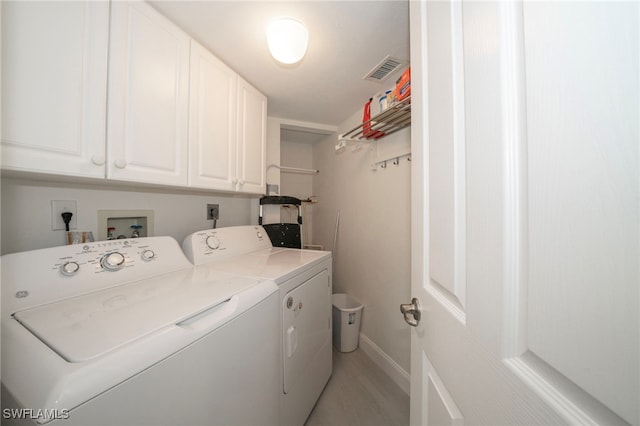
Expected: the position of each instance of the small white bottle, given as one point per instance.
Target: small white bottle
(384, 101)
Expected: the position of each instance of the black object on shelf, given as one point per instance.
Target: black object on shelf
(283, 234)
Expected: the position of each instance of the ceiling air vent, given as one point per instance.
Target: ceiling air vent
(384, 69)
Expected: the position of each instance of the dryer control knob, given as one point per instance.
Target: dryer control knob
(148, 255)
(113, 261)
(213, 242)
(70, 268)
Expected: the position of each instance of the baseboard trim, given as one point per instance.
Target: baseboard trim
(384, 361)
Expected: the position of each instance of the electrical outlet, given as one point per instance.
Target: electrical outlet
(57, 208)
(213, 211)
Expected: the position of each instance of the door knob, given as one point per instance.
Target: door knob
(411, 312)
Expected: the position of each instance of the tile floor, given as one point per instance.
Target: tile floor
(359, 393)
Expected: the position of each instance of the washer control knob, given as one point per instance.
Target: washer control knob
(259, 234)
(70, 268)
(213, 242)
(113, 261)
(148, 255)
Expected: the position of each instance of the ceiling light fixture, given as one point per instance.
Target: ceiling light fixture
(287, 39)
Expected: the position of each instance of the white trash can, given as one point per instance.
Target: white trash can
(346, 315)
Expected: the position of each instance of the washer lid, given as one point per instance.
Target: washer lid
(85, 327)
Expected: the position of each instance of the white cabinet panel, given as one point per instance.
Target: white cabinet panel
(172, 116)
(252, 137)
(212, 122)
(227, 128)
(54, 82)
(148, 97)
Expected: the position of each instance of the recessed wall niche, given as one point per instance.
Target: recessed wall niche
(114, 224)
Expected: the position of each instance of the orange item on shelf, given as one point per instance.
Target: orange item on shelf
(403, 85)
(366, 126)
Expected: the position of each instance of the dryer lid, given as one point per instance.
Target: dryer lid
(85, 327)
(275, 263)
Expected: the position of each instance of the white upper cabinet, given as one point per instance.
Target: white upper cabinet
(54, 85)
(212, 122)
(148, 97)
(227, 128)
(252, 139)
(173, 113)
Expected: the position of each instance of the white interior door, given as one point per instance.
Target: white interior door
(526, 214)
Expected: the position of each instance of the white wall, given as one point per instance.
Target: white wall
(300, 155)
(372, 254)
(26, 210)
(273, 150)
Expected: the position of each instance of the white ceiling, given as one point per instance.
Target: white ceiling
(346, 40)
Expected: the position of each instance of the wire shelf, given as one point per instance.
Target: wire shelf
(395, 118)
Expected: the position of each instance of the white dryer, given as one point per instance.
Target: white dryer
(304, 281)
(128, 332)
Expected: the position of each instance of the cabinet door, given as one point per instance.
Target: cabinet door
(148, 97)
(252, 136)
(212, 122)
(54, 82)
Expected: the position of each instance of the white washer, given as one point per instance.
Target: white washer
(128, 332)
(304, 280)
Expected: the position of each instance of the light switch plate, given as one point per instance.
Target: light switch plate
(60, 206)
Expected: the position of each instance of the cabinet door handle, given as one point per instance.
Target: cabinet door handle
(411, 312)
(121, 164)
(234, 181)
(98, 160)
